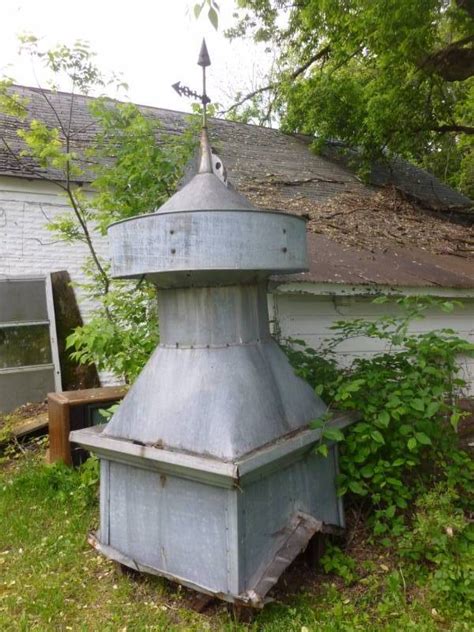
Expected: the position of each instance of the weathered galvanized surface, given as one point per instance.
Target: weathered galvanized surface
(214, 316)
(233, 534)
(205, 192)
(263, 462)
(217, 384)
(301, 528)
(208, 240)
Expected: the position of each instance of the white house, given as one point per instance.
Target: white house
(405, 233)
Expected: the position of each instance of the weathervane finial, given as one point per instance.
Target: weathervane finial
(204, 61)
(205, 165)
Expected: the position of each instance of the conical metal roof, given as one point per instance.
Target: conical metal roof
(206, 192)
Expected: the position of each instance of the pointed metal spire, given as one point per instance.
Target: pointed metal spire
(205, 165)
(204, 59)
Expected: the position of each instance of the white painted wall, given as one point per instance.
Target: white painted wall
(28, 247)
(308, 317)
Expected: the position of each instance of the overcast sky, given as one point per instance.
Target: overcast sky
(153, 43)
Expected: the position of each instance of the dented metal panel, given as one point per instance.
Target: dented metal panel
(171, 524)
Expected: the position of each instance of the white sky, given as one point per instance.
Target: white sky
(153, 43)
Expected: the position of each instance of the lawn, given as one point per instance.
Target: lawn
(52, 580)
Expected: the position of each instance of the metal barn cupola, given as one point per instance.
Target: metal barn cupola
(208, 471)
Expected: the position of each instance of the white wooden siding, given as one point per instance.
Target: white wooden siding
(28, 247)
(308, 317)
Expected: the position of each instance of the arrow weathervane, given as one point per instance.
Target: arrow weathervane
(184, 91)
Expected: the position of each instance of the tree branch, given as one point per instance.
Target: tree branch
(52, 108)
(275, 84)
(455, 62)
(324, 52)
(461, 129)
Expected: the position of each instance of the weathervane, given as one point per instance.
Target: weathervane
(184, 91)
(204, 61)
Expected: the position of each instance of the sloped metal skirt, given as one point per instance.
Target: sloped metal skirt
(230, 542)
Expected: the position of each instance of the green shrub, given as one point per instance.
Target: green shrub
(406, 439)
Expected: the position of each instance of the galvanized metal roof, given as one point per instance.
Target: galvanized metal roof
(205, 192)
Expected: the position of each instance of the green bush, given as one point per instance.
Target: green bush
(122, 333)
(406, 439)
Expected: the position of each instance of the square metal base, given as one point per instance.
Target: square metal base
(227, 529)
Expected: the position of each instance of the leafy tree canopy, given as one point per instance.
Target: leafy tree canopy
(392, 76)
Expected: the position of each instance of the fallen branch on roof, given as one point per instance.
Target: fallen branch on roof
(273, 179)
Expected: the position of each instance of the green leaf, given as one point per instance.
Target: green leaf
(390, 511)
(422, 438)
(447, 306)
(401, 503)
(333, 434)
(418, 404)
(412, 443)
(432, 409)
(322, 449)
(383, 419)
(455, 419)
(377, 436)
(197, 10)
(213, 17)
(357, 488)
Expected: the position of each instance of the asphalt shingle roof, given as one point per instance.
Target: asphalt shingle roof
(280, 171)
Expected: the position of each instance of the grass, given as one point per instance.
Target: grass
(50, 579)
